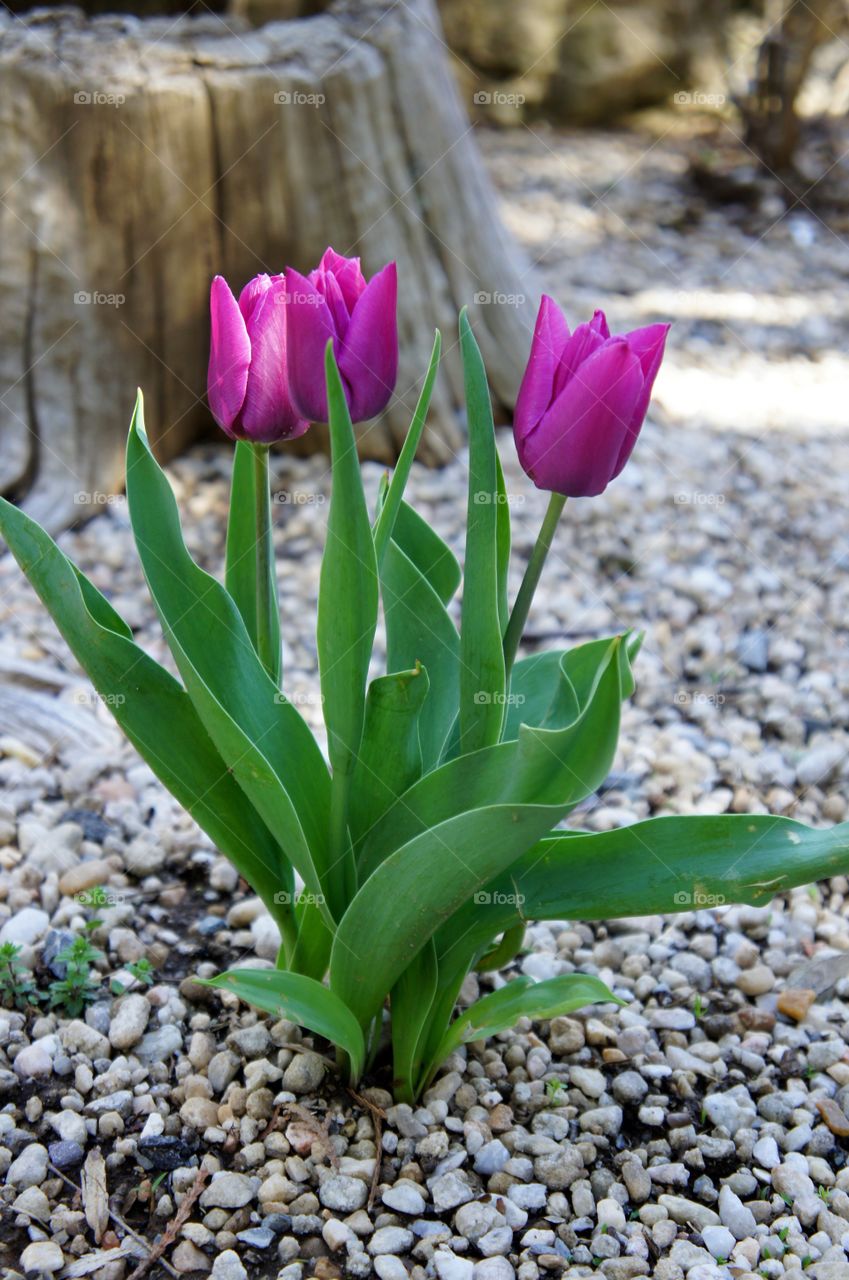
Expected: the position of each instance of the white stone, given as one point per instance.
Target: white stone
(25, 927)
(228, 1266)
(450, 1267)
(43, 1257)
(30, 1168)
(129, 1021)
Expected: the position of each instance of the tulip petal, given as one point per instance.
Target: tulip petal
(251, 294)
(586, 339)
(599, 323)
(309, 325)
(551, 333)
(229, 356)
(648, 346)
(347, 272)
(577, 444)
(268, 413)
(368, 360)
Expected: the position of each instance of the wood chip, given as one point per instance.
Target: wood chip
(95, 1195)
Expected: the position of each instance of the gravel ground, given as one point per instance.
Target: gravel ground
(698, 1132)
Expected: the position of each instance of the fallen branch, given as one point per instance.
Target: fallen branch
(378, 1115)
(174, 1226)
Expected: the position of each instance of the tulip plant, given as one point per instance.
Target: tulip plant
(419, 847)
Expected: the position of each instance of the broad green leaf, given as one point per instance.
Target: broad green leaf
(311, 954)
(653, 867)
(539, 697)
(410, 1003)
(522, 998)
(460, 826)
(241, 565)
(259, 735)
(428, 552)
(347, 619)
(502, 544)
(151, 707)
(348, 591)
(394, 492)
(482, 676)
(301, 1000)
(505, 950)
(390, 758)
(419, 630)
(489, 776)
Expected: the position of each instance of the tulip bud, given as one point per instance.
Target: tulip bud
(582, 400)
(335, 301)
(247, 384)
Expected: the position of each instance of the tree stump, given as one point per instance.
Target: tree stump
(142, 156)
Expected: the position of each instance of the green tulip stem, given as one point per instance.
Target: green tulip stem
(522, 605)
(266, 594)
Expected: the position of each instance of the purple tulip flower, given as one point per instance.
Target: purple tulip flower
(335, 302)
(582, 400)
(247, 384)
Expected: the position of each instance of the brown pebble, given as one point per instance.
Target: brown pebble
(172, 896)
(754, 1019)
(326, 1270)
(84, 876)
(795, 1002)
(613, 1055)
(500, 1118)
(194, 991)
(833, 1116)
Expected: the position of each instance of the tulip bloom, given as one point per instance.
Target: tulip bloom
(583, 400)
(247, 385)
(335, 301)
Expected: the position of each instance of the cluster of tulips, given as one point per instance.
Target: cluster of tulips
(418, 847)
(579, 410)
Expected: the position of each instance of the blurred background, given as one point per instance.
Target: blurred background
(660, 158)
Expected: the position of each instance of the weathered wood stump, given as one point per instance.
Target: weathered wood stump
(139, 157)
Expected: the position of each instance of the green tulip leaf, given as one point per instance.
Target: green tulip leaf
(390, 757)
(461, 825)
(144, 697)
(240, 576)
(301, 1000)
(410, 1003)
(420, 631)
(393, 492)
(482, 672)
(261, 737)
(523, 998)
